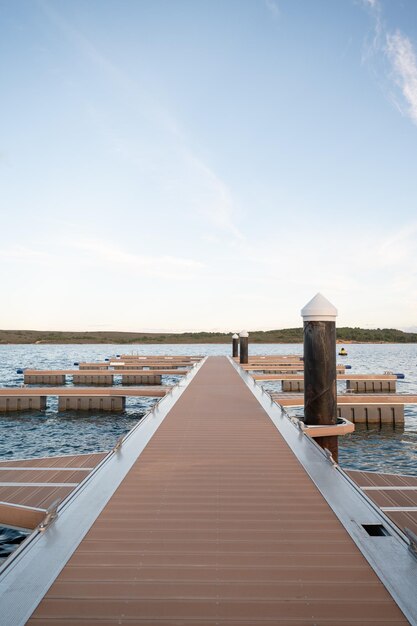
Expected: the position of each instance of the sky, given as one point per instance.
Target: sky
(207, 164)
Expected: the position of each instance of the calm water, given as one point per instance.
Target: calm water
(29, 435)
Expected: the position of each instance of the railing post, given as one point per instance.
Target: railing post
(320, 390)
(235, 345)
(244, 349)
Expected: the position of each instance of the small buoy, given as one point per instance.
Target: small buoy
(400, 376)
(19, 371)
(76, 363)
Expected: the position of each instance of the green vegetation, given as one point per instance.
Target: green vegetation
(286, 335)
(383, 335)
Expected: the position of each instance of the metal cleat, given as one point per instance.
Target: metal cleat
(51, 515)
(330, 457)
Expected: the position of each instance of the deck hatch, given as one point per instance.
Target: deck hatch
(376, 530)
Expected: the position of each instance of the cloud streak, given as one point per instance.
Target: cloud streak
(401, 52)
(93, 252)
(25, 254)
(273, 7)
(211, 197)
(205, 193)
(160, 266)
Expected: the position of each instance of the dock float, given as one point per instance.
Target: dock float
(75, 398)
(364, 383)
(290, 368)
(215, 510)
(286, 359)
(360, 409)
(98, 377)
(134, 365)
(162, 358)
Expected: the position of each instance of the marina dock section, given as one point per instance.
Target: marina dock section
(215, 509)
(99, 376)
(371, 383)
(14, 399)
(360, 409)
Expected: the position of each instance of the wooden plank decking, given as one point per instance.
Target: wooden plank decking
(396, 495)
(28, 487)
(217, 522)
(288, 399)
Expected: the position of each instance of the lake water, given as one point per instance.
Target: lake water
(28, 435)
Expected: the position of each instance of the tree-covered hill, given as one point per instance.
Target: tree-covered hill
(286, 335)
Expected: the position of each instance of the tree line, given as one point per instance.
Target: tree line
(285, 335)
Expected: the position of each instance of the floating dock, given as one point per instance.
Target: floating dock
(145, 362)
(98, 377)
(75, 398)
(29, 487)
(371, 383)
(289, 368)
(395, 494)
(216, 509)
(360, 409)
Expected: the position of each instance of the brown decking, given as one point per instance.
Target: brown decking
(217, 523)
(391, 491)
(37, 483)
(288, 399)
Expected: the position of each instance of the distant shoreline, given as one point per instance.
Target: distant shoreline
(345, 335)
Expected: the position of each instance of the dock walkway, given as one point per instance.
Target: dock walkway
(217, 522)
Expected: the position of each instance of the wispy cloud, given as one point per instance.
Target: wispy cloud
(161, 266)
(392, 252)
(403, 58)
(273, 7)
(210, 196)
(399, 50)
(24, 253)
(206, 193)
(98, 253)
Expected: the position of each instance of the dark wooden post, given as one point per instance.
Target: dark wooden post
(244, 349)
(235, 345)
(320, 391)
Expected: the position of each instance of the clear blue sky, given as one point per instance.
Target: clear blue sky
(207, 164)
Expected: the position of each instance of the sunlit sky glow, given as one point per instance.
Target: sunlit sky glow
(209, 164)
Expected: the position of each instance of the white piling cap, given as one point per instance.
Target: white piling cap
(243, 333)
(235, 336)
(319, 309)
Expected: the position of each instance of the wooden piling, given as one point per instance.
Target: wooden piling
(235, 345)
(244, 346)
(320, 392)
